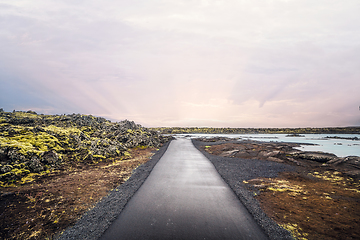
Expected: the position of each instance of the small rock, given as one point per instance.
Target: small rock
(35, 165)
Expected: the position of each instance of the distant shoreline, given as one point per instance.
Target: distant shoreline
(326, 130)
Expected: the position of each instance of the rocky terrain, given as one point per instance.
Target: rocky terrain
(314, 195)
(33, 144)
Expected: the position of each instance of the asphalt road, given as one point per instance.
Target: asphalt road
(184, 197)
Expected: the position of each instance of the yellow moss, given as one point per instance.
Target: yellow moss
(87, 130)
(277, 189)
(141, 147)
(62, 131)
(25, 115)
(295, 230)
(32, 143)
(283, 186)
(352, 189)
(24, 146)
(19, 171)
(34, 234)
(333, 177)
(127, 154)
(31, 177)
(98, 156)
(8, 184)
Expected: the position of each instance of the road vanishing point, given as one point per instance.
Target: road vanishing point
(184, 197)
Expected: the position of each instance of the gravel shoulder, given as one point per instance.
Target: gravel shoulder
(94, 222)
(235, 171)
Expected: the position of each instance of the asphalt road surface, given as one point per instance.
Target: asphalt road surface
(184, 197)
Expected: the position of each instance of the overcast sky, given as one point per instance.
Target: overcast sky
(233, 63)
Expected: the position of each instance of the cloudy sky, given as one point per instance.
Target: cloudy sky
(233, 63)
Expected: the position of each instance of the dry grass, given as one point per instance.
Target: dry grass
(313, 206)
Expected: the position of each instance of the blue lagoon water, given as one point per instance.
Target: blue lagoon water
(340, 147)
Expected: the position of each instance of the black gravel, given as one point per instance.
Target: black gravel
(95, 221)
(235, 170)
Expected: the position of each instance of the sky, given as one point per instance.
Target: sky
(233, 63)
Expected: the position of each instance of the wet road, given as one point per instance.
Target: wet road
(184, 197)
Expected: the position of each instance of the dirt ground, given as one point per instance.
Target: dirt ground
(315, 202)
(48, 205)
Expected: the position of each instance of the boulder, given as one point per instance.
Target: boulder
(5, 168)
(34, 165)
(15, 156)
(49, 158)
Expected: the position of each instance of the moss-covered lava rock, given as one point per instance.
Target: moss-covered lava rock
(36, 143)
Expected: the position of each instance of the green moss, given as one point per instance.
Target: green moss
(29, 178)
(32, 143)
(62, 131)
(88, 131)
(5, 184)
(20, 175)
(23, 146)
(19, 170)
(141, 147)
(32, 177)
(25, 115)
(5, 175)
(127, 155)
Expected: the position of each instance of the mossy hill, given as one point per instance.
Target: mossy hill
(34, 144)
(189, 130)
